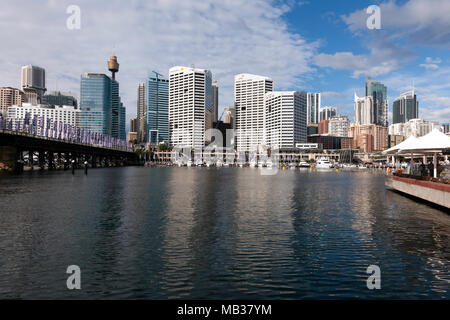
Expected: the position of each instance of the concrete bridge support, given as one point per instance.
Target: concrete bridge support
(94, 161)
(51, 160)
(31, 159)
(41, 158)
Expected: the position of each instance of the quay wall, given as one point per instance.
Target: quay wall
(435, 192)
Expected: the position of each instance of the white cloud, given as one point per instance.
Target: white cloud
(432, 89)
(383, 58)
(431, 60)
(422, 22)
(227, 37)
(431, 63)
(435, 115)
(329, 94)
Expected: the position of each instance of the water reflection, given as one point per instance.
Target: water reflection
(217, 233)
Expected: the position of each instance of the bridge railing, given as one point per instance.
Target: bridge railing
(47, 128)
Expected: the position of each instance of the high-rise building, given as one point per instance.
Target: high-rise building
(405, 108)
(9, 97)
(33, 81)
(157, 108)
(31, 97)
(369, 138)
(324, 127)
(215, 100)
(326, 113)
(446, 128)
(190, 99)
(249, 92)
(133, 125)
(378, 92)
(95, 103)
(313, 107)
(59, 99)
(115, 109)
(122, 121)
(339, 126)
(229, 116)
(141, 113)
(118, 112)
(364, 110)
(285, 119)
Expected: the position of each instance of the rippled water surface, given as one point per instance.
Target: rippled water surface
(158, 233)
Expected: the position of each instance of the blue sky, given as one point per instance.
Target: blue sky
(321, 45)
(413, 62)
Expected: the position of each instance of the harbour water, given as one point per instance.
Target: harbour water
(217, 233)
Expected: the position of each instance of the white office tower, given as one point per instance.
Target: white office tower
(190, 106)
(63, 114)
(339, 126)
(286, 122)
(364, 110)
(33, 81)
(326, 113)
(249, 91)
(313, 107)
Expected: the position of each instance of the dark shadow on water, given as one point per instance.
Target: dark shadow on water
(421, 201)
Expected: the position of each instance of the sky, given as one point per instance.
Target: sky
(316, 45)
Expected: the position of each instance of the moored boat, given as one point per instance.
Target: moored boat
(323, 163)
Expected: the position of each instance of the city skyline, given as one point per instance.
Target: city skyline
(321, 64)
(248, 156)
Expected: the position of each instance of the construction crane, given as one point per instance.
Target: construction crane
(217, 123)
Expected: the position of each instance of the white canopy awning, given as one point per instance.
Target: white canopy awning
(410, 141)
(433, 142)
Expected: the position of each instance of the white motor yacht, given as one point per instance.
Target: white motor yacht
(323, 163)
(304, 164)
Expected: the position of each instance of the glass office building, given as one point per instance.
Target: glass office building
(405, 108)
(117, 112)
(122, 121)
(157, 108)
(101, 108)
(95, 103)
(378, 92)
